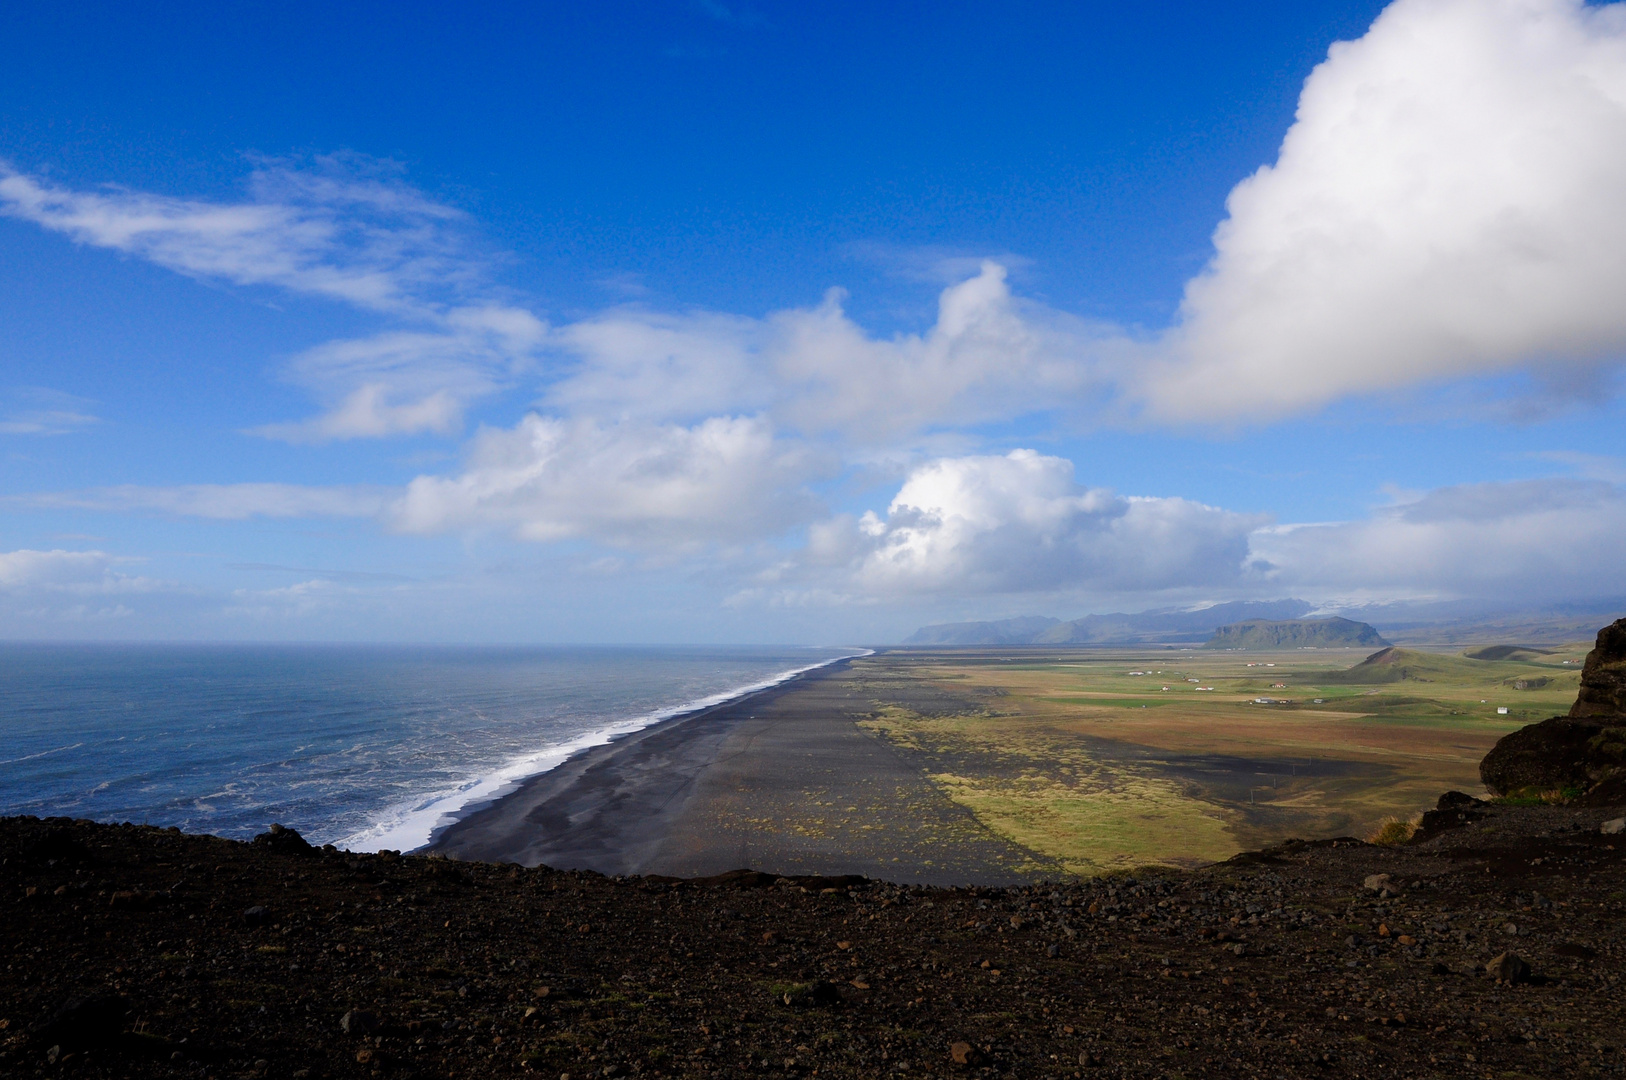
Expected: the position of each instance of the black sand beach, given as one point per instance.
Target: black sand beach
(783, 781)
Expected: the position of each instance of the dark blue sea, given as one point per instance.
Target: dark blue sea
(366, 747)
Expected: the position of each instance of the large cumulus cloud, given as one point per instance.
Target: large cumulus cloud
(1450, 201)
(1018, 523)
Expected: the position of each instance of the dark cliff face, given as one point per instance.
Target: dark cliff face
(1582, 752)
(1603, 679)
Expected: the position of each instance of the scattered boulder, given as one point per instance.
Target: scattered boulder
(85, 1022)
(258, 915)
(963, 1053)
(282, 838)
(1509, 968)
(358, 1022)
(1613, 827)
(1377, 882)
(817, 992)
(1454, 810)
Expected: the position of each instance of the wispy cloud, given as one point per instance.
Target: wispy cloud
(34, 410)
(228, 502)
(330, 575)
(345, 228)
(405, 382)
(78, 573)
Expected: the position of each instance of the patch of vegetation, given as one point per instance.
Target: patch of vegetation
(1538, 797)
(1392, 832)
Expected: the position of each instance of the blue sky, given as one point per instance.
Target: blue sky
(727, 322)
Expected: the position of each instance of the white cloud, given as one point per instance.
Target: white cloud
(1450, 201)
(630, 363)
(723, 480)
(75, 572)
(301, 600)
(344, 228)
(404, 382)
(36, 410)
(232, 502)
(1521, 541)
(988, 356)
(1019, 523)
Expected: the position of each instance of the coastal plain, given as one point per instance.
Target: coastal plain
(1102, 759)
(974, 766)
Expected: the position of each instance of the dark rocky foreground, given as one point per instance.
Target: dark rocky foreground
(132, 951)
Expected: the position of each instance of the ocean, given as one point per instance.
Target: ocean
(364, 747)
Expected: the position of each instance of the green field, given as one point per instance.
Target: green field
(1105, 759)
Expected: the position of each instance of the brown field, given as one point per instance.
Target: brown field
(1094, 768)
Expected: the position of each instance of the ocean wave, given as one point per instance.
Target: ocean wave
(42, 753)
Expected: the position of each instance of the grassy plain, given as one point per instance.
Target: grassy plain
(1103, 759)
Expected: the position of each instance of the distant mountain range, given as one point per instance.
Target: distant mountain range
(1114, 629)
(1429, 623)
(1333, 633)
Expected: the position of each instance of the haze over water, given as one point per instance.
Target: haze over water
(365, 747)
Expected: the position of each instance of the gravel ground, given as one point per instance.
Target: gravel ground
(133, 952)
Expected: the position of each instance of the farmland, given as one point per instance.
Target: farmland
(1103, 759)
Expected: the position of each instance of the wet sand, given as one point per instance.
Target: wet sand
(783, 781)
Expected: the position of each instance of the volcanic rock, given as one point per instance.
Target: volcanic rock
(1603, 678)
(358, 1022)
(818, 992)
(1509, 968)
(282, 838)
(674, 981)
(1585, 749)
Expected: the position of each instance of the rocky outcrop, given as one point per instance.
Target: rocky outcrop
(1561, 754)
(282, 838)
(1584, 752)
(1603, 679)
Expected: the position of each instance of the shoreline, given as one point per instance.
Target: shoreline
(490, 817)
(782, 781)
(414, 827)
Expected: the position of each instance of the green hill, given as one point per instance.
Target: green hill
(1332, 633)
(1508, 652)
(1393, 665)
